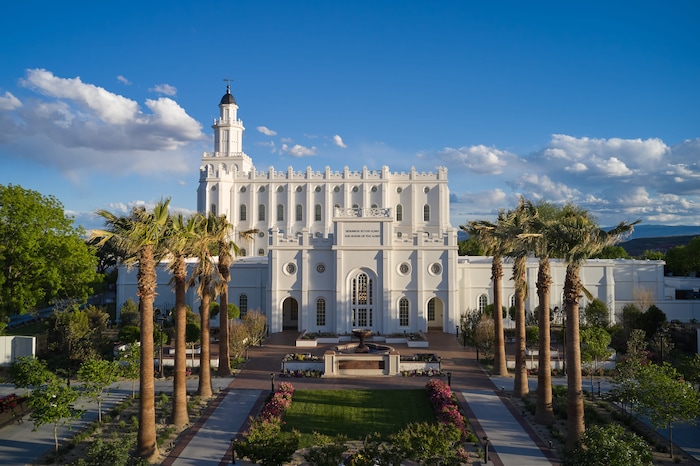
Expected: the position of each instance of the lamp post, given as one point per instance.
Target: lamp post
(159, 319)
(449, 379)
(272, 381)
(486, 449)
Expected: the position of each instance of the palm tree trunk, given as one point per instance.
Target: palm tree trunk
(574, 394)
(147, 448)
(499, 352)
(224, 352)
(180, 415)
(205, 390)
(544, 413)
(520, 387)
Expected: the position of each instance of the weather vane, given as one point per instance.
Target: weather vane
(228, 83)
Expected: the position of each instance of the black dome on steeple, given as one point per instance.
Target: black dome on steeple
(228, 97)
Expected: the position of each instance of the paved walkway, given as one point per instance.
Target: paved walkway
(512, 442)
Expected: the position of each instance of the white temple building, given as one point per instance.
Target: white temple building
(337, 250)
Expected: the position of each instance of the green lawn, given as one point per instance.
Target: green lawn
(356, 413)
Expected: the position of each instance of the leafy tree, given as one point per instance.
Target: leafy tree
(690, 368)
(596, 314)
(594, 347)
(129, 313)
(97, 375)
(140, 239)
(237, 338)
(43, 258)
(684, 260)
(327, 451)
(651, 320)
(652, 255)
(256, 323)
(129, 334)
(72, 337)
(610, 444)
(52, 403)
(470, 247)
(233, 311)
(612, 252)
(130, 364)
(484, 336)
(29, 372)
(192, 335)
(665, 398)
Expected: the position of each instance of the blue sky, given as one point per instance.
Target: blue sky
(106, 105)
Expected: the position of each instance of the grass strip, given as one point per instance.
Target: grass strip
(356, 413)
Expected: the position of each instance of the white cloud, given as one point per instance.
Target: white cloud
(166, 89)
(479, 159)
(106, 106)
(9, 102)
(123, 80)
(266, 131)
(339, 141)
(78, 127)
(298, 150)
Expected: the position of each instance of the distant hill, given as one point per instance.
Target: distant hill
(649, 237)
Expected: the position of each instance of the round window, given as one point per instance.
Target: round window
(280, 189)
(355, 189)
(298, 189)
(262, 189)
(374, 189)
(320, 268)
(261, 234)
(398, 190)
(426, 189)
(243, 189)
(435, 268)
(291, 268)
(318, 189)
(404, 268)
(336, 189)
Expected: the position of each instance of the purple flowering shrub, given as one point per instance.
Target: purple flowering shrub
(278, 403)
(445, 407)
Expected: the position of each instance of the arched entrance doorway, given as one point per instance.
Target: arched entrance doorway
(435, 314)
(290, 314)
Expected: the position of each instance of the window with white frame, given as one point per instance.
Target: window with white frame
(321, 312)
(403, 312)
(482, 302)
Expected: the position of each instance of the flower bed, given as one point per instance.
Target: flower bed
(278, 404)
(12, 408)
(446, 407)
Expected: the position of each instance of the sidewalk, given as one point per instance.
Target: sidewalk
(511, 443)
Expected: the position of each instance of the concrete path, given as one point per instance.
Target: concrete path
(209, 443)
(507, 437)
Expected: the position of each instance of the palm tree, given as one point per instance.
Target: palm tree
(517, 226)
(576, 236)
(208, 282)
(544, 215)
(140, 237)
(222, 229)
(492, 239)
(179, 242)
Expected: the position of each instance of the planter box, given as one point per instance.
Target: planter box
(417, 343)
(306, 343)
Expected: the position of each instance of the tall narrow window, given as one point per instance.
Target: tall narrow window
(426, 213)
(320, 312)
(399, 213)
(294, 310)
(299, 213)
(403, 312)
(243, 213)
(362, 301)
(431, 310)
(244, 252)
(243, 304)
(261, 212)
(317, 213)
(280, 212)
(213, 209)
(483, 302)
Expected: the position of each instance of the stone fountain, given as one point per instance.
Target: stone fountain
(362, 334)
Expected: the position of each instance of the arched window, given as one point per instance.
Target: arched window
(426, 213)
(362, 300)
(243, 304)
(213, 209)
(299, 212)
(280, 212)
(320, 312)
(244, 252)
(511, 301)
(261, 252)
(482, 303)
(431, 310)
(399, 213)
(317, 213)
(261, 212)
(243, 213)
(403, 312)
